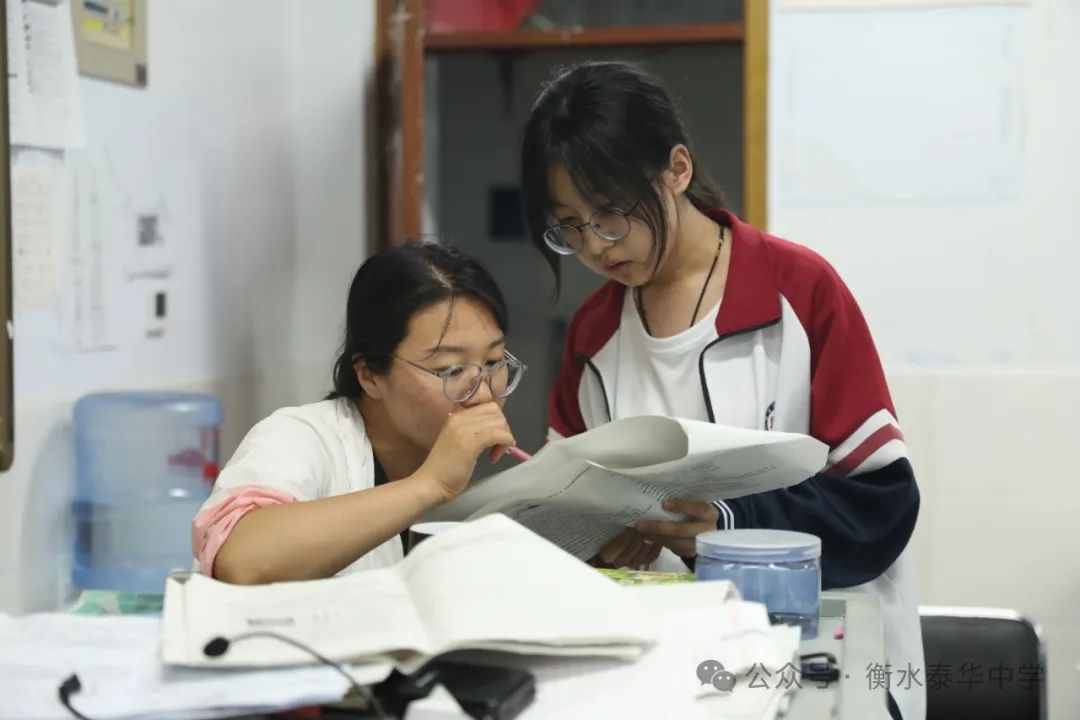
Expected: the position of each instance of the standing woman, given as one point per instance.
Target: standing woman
(708, 318)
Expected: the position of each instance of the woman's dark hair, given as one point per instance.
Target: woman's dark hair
(392, 286)
(612, 125)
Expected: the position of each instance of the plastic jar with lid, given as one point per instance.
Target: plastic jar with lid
(778, 568)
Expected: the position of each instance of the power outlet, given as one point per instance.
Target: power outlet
(157, 311)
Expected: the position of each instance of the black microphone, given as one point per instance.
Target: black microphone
(218, 646)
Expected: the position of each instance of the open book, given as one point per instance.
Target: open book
(579, 492)
(490, 584)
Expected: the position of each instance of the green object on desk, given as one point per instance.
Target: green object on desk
(625, 576)
(115, 602)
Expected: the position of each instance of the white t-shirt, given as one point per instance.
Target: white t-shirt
(309, 452)
(665, 372)
(666, 379)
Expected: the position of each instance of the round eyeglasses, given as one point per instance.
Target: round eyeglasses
(460, 382)
(609, 224)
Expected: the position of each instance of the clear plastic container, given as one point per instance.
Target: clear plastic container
(144, 464)
(778, 568)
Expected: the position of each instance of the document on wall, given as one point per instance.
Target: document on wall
(581, 491)
(87, 322)
(43, 80)
(19, 125)
(36, 226)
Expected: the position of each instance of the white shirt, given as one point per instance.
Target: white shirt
(666, 378)
(309, 452)
(665, 371)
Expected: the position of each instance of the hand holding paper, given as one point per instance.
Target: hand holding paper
(680, 536)
(581, 492)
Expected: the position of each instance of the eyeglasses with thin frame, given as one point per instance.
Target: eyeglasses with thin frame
(461, 381)
(609, 223)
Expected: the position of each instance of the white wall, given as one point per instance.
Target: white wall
(251, 138)
(962, 250)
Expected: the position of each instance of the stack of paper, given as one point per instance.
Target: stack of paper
(116, 660)
(697, 623)
(696, 627)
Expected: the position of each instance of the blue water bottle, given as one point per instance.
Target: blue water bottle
(144, 464)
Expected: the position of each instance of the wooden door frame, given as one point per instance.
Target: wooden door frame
(7, 247)
(399, 120)
(400, 49)
(756, 112)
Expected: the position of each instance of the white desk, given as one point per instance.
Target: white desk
(862, 647)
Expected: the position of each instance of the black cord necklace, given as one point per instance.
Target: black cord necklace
(701, 296)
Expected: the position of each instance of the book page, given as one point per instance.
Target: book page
(492, 580)
(704, 437)
(761, 464)
(592, 505)
(580, 531)
(640, 441)
(580, 504)
(351, 617)
(634, 442)
(541, 474)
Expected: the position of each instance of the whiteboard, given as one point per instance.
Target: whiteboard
(899, 106)
(951, 215)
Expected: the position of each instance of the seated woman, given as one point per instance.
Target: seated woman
(326, 488)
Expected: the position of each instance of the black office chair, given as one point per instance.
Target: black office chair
(982, 663)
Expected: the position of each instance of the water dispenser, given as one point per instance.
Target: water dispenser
(144, 464)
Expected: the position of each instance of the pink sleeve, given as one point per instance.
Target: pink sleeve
(211, 527)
